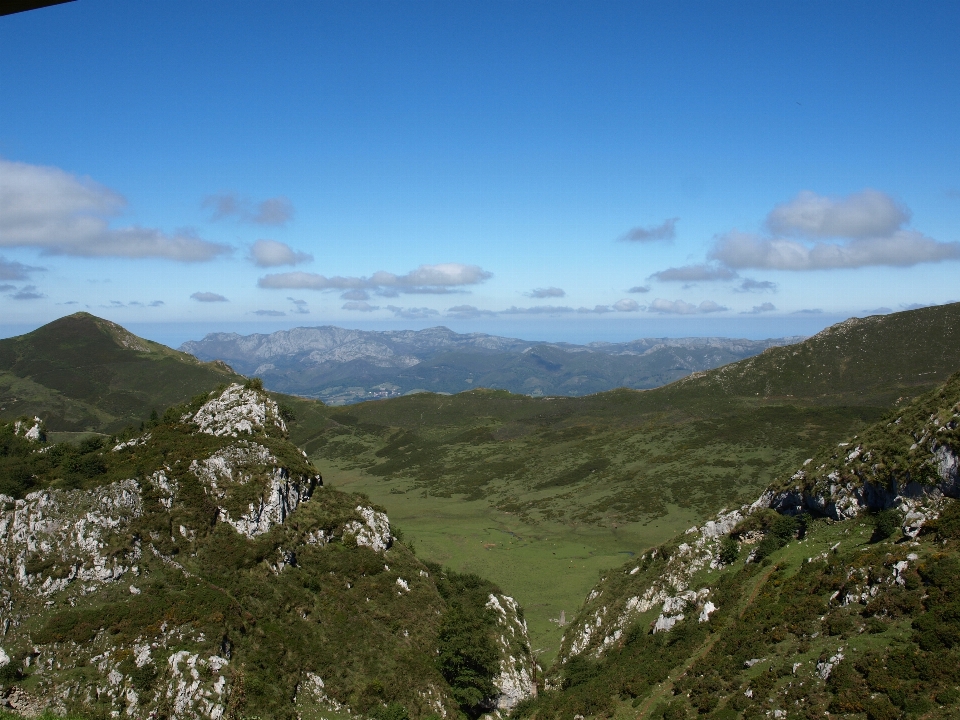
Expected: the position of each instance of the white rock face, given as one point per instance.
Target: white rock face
(69, 530)
(517, 668)
(238, 410)
(373, 532)
(31, 431)
(241, 464)
(4, 658)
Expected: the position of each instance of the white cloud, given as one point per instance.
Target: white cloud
(299, 306)
(208, 297)
(866, 214)
(27, 292)
(664, 231)
(679, 307)
(538, 310)
(694, 273)
(61, 214)
(751, 285)
(429, 279)
(412, 313)
(271, 253)
(541, 293)
(901, 249)
(272, 211)
(269, 313)
(10, 270)
(639, 289)
(626, 305)
(597, 309)
(359, 306)
(355, 295)
(868, 229)
(762, 308)
(468, 312)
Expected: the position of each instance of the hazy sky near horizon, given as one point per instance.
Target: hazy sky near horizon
(554, 170)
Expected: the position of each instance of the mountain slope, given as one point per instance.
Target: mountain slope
(200, 570)
(758, 614)
(343, 366)
(514, 482)
(85, 373)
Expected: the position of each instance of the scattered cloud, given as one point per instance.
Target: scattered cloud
(902, 249)
(299, 306)
(272, 253)
(626, 305)
(757, 309)
(639, 289)
(550, 292)
(430, 279)
(694, 273)
(269, 313)
(412, 313)
(27, 292)
(866, 214)
(359, 306)
(10, 270)
(355, 295)
(68, 302)
(597, 309)
(7, 288)
(809, 311)
(679, 307)
(537, 310)
(208, 297)
(132, 303)
(468, 312)
(664, 231)
(868, 228)
(272, 211)
(751, 285)
(61, 214)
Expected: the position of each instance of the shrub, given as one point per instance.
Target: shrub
(885, 524)
(729, 550)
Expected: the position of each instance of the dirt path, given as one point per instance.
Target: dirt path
(665, 689)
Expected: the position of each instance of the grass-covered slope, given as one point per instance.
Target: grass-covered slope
(521, 489)
(759, 614)
(197, 568)
(83, 373)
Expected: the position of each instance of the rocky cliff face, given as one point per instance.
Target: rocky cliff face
(909, 463)
(215, 579)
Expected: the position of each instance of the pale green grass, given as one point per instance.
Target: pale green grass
(548, 567)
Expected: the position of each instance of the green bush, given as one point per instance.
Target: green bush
(729, 550)
(885, 524)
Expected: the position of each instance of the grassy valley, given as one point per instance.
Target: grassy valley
(593, 478)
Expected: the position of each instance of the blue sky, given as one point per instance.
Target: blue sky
(566, 171)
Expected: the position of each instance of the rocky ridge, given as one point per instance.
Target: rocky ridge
(140, 597)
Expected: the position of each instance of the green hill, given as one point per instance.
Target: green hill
(758, 614)
(540, 494)
(197, 568)
(82, 373)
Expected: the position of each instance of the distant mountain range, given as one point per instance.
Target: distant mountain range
(341, 366)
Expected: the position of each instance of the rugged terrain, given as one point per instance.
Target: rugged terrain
(342, 366)
(541, 494)
(197, 568)
(836, 592)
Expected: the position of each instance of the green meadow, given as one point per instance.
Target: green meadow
(549, 566)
